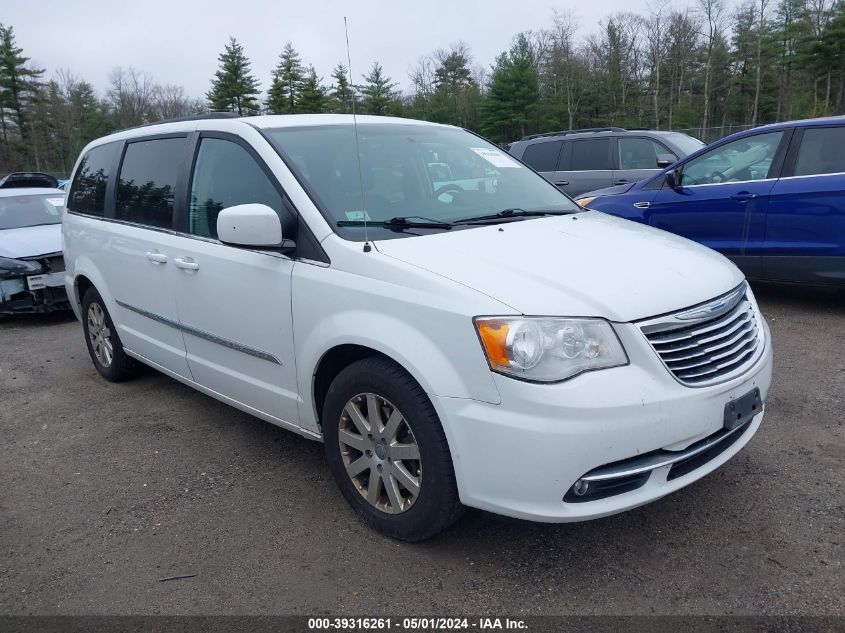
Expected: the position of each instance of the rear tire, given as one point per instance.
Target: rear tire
(102, 340)
(387, 451)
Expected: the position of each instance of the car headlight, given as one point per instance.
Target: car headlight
(585, 201)
(10, 267)
(548, 349)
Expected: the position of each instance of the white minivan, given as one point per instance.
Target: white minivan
(454, 329)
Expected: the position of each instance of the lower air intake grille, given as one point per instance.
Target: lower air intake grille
(709, 343)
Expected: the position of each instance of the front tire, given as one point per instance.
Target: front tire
(102, 340)
(387, 451)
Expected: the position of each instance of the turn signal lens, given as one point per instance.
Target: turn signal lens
(548, 349)
(494, 335)
(585, 201)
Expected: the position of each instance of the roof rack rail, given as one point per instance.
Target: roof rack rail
(582, 130)
(190, 117)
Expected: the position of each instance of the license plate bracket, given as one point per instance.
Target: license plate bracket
(740, 410)
(36, 282)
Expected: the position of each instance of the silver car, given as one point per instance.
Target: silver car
(577, 161)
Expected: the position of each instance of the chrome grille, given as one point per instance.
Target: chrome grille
(709, 343)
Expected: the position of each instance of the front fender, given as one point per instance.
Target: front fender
(423, 329)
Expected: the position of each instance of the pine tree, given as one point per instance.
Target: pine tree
(312, 99)
(233, 87)
(342, 95)
(513, 93)
(826, 60)
(285, 91)
(19, 86)
(456, 93)
(379, 96)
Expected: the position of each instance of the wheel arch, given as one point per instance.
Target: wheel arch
(332, 362)
(81, 284)
(86, 275)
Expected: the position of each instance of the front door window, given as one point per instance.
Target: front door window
(743, 160)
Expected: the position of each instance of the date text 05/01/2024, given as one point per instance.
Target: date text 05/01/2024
(416, 624)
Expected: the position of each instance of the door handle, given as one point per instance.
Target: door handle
(742, 196)
(643, 205)
(562, 183)
(186, 263)
(157, 257)
(621, 181)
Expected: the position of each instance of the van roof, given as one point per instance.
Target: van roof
(219, 121)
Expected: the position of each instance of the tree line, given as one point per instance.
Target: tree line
(703, 68)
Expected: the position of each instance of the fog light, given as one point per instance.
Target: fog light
(580, 487)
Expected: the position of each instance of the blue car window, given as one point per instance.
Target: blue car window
(821, 152)
(744, 159)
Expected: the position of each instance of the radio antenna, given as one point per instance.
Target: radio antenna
(357, 144)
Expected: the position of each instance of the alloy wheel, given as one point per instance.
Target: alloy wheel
(380, 453)
(100, 334)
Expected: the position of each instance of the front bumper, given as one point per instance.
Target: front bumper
(18, 297)
(521, 457)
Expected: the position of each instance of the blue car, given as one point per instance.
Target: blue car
(772, 199)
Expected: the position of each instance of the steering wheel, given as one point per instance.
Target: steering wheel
(718, 177)
(448, 187)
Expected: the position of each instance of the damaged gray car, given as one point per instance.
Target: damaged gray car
(31, 262)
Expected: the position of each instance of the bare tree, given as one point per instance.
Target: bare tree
(566, 68)
(713, 13)
(130, 95)
(656, 50)
(170, 101)
(682, 34)
(761, 24)
(422, 85)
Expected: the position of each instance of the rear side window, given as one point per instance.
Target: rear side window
(226, 175)
(88, 190)
(146, 187)
(821, 152)
(591, 155)
(542, 156)
(640, 153)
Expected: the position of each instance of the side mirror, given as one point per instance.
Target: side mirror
(251, 224)
(664, 160)
(673, 178)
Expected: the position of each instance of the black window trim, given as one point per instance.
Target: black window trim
(303, 231)
(564, 158)
(177, 198)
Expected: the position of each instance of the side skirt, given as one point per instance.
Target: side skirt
(227, 400)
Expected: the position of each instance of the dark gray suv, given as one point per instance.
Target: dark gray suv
(578, 161)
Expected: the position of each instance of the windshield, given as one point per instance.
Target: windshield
(438, 173)
(21, 211)
(685, 143)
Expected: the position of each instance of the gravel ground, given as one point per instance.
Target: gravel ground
(105, 489)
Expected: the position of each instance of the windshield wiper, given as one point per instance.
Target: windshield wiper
(400, 223)
(514, 212)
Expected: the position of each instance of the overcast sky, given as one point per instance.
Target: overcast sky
(178, 41)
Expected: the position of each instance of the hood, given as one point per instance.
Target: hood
(31, 241)
(585, 264)
(608, 191)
